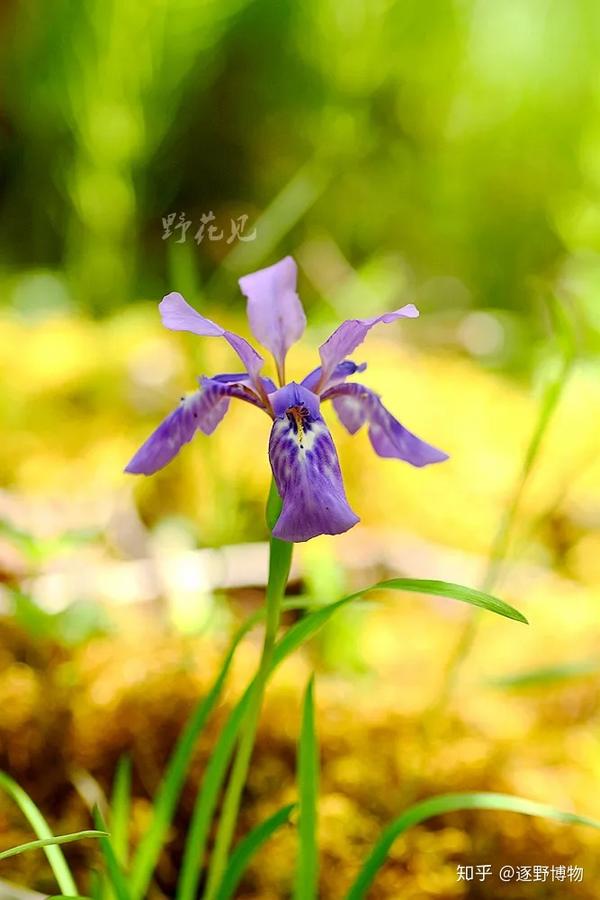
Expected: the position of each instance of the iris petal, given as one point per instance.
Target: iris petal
(275, 312)
(340, 373)
(307, 473)
(201, 411)
(356, 404)
(349, 335)
(178, 315)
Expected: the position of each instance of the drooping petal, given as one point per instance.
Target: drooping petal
(306, 469)
(177, 314)
(349, 335)
(356, 404)
(202, 410)
(342, 371)
(176, 430)
(275, 312)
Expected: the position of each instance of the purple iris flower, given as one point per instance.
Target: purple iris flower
(301, 451)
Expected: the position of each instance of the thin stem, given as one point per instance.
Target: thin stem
(280, 557)
(501, 541)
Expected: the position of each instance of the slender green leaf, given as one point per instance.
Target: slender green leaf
(120, 807)
(298, 634)
(55, 856)
(214, 776)
(547, 674)
(115, 874)
(447, 803)
(307, 875)
(67, 897)
(247, 847)
(454, 592)
(170, 788)
(206, 800)
(50, 842)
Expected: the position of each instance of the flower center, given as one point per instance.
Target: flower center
(297, 416)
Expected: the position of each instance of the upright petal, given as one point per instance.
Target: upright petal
(202, 410)
(306, 469)
(349, 335)
(356, 404)
(275, 312)
(342, 371)
(177, 314)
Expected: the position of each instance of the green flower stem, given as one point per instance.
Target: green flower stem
(280, 558)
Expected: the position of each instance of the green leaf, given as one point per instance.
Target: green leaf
(55, 856)
(214, 775)
(447, 803)
(247, 847)
(49, 842)
(116, 876)
(120, 807)
(170, 788)
(206, 800)
(298, 634)
(307, 875)
(454, 592)
(547, 674)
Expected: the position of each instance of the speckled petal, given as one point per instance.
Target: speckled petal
(306, 469)
(356, 404)
(200, 411)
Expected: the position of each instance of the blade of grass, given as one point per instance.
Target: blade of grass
(115, 874)
(447, 803)
(307, 874)
(171, 785)
(50, 842)
(564, 334)
(55, 856)
(547, 674)
(206, 799)
(248, 846)
(120, 807)
(474, 597)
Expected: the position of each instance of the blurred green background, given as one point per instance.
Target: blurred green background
(446, 154)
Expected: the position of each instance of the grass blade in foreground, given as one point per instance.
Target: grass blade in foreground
(55, 856)
(446, 803)
(247, 847)
(50, 842)
(307, 874)
(120, 806)
(170, 788)
(206, 800)
(297, 635)
(115, 874)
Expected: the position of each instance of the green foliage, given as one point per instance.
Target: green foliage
(55, 856)
(447, 803)
(248, 846)
(51, 842)
(307, 872)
